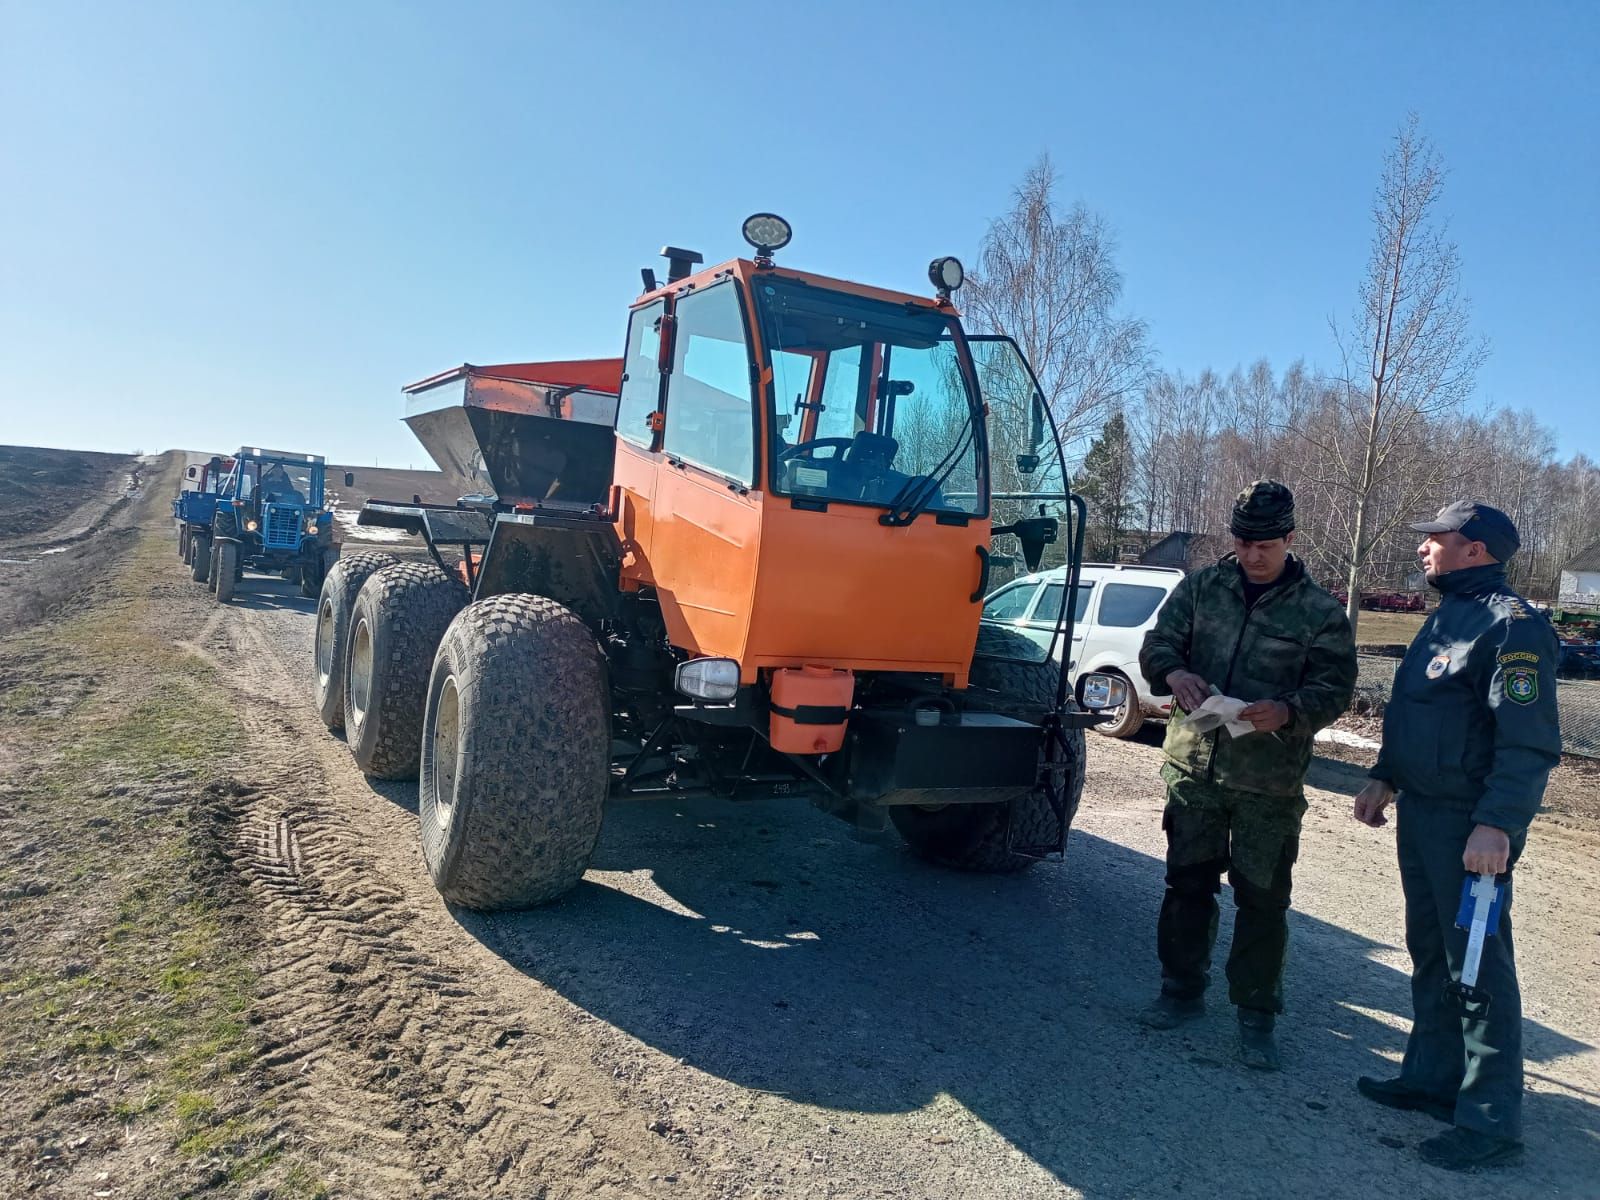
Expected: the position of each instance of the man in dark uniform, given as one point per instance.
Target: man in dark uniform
(1253, 627)
(1469, 740)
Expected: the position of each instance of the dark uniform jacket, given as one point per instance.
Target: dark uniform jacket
(1295, 645)
(1472, 718)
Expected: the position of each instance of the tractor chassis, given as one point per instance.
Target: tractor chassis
(665, 748)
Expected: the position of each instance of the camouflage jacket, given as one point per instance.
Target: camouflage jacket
(1295, 646)
(1472, 719)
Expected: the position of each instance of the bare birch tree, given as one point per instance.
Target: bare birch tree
(1409, 363)
(1049, 280)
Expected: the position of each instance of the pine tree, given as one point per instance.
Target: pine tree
(1105, 481)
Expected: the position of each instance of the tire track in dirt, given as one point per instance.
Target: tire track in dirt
(406, 1075)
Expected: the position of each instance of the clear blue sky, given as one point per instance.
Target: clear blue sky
(231, 222)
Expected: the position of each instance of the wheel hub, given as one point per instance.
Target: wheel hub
(446, 751)
(324, 643)
(360, 671)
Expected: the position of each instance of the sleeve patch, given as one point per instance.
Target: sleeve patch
(1522, 685)
(1518, 656)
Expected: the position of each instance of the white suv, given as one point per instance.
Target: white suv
(1114, 606)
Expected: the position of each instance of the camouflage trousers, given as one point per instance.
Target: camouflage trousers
(1256, 840)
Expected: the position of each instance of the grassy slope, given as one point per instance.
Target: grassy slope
(125, 987)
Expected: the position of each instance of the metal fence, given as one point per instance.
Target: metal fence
(1579, 701)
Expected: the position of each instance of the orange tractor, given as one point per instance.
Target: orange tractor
(745, 560)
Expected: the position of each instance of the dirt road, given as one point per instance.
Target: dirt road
(743, 1001)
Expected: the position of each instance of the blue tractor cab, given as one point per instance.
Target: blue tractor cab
(270, 516)
(196, 508)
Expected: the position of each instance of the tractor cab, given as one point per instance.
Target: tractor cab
(275, 490)
(804, 465)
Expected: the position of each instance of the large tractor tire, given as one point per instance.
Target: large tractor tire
(1127, 720)
(978, 837)
(200, 557)
(516, 753)
(398, 619)
(340, 587)
(227, 570)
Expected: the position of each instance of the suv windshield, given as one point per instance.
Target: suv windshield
(871, 404)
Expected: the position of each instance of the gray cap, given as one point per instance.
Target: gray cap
(1477, 523)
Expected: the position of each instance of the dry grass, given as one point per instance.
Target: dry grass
(1386, 629)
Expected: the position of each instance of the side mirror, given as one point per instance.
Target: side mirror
(191, 473)
(1035, 533)
(1104, 691)
(349, 479)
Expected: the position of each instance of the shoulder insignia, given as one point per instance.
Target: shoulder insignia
(1517, 656)
(1439, 665)
(1522, 685)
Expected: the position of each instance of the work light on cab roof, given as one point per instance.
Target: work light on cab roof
(767, 232)
(946, 274)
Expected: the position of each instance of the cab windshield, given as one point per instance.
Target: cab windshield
(871, 404)
(288, 483)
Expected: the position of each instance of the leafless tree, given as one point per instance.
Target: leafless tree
(1409, 363)
(1049, 280)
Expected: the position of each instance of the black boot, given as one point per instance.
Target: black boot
(1258, 1049)
(1462, 1149)
(1168, 1012)
(1395, 1093)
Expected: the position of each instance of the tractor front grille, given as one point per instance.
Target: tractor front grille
(281, 527)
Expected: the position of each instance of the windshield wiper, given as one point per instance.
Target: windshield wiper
(902, 513)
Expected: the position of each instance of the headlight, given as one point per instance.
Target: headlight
(311, 524)
(250, 525)
(767, 232)
(946, 274)
(708, 678)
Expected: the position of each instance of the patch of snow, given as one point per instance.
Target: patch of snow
(57, 550)
(1343, 737)
(347, 518)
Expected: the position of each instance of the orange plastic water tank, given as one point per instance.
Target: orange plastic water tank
(810, 708)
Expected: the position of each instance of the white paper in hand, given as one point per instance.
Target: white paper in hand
(1220, 711)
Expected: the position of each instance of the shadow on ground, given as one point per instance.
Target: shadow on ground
(269, 593)
(767, 948)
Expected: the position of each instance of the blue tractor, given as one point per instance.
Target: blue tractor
(195, 509)
(270, 517)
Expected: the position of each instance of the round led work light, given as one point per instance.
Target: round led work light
(946, 273)
(767, 232)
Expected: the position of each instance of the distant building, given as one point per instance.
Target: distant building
(1170, 551)
(1186, 551)
(1580, 578)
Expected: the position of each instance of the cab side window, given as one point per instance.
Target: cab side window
(710, 418)
(641, 375)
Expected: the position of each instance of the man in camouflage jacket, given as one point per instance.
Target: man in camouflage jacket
(1256, 628)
